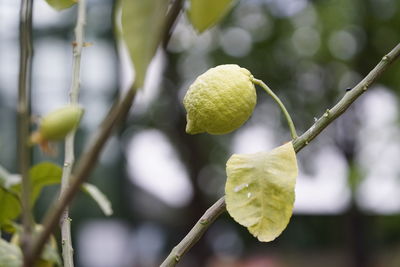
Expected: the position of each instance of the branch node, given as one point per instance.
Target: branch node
(385, 58)
(365, 88)
(203, 221)
(177, 258)
(327, 113)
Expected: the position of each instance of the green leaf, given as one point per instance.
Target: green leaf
(10, 206)
(206, 13)
(260, 190)
(142, 27)
(43, 174)
(10, 255)
(61, 4)
(47, 173)
(98, 197)
(9, 200)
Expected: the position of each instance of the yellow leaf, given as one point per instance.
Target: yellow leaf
(205, 13)
(61, 4)
(259, 191)
(143, 23)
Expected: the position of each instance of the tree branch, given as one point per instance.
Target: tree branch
(69, 158)
(23, 110)
(331, 114)
(195, 233)
(299, 143)
(172, 17)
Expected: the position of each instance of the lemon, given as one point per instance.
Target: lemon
(220, 100)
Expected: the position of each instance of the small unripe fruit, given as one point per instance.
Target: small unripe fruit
(220, 100)
(57, 124)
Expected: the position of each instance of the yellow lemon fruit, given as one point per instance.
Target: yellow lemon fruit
(220, 100)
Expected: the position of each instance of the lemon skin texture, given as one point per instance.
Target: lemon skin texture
(220, 100)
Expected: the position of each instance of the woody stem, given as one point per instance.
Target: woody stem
(281, 106)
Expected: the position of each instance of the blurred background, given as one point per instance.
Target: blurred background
(161, 180)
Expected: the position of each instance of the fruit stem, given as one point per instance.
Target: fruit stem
(281, 106)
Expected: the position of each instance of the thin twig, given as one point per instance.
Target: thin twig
(65, 221)
(331, 114)
(23, 109)
(280, 104)
(195, 233)
(299, 143)
(172, 17)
